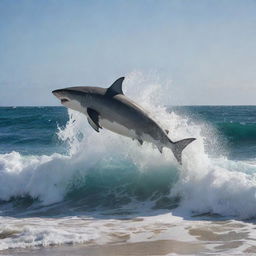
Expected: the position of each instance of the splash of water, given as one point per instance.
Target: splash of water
(205, 184)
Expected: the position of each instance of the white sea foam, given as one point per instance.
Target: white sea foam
(211, 237)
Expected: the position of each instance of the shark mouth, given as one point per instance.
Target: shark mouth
(64, 100)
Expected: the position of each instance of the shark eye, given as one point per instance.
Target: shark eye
(64, 100)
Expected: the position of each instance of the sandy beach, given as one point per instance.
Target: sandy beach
(194, 237)
(161, 247)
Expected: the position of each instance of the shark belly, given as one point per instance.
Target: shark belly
(118, 128)
(131, 133)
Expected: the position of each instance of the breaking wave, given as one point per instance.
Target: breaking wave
(106, 170)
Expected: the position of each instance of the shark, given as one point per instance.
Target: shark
(109, 108)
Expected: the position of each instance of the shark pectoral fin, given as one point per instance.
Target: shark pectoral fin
(93, 119)
(93, 125)
(160, 148)
(115, 88)
(167, 131)
(140, 141)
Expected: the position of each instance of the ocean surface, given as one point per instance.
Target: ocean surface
(63, 184)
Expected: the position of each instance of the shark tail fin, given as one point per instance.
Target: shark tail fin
(178, 146)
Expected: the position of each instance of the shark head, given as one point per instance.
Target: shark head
(73, 97)
(78, 98)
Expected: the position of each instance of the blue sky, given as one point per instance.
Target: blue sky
(207, 48)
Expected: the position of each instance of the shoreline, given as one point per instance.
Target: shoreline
(157, 247)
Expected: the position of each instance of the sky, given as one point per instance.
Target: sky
(206, 48)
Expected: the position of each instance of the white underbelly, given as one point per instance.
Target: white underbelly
(117, 128)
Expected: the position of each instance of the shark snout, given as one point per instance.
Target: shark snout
(61, 95)
(58, 93)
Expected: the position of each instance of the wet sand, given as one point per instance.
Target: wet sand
(160, 247)
(198, 237)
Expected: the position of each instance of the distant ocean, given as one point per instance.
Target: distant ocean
(63, 184)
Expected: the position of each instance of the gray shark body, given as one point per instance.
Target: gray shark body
(111, 109)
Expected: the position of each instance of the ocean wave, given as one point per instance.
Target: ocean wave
(107, 170)
(239, 132)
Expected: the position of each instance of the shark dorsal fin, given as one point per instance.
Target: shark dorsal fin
(116, 87)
